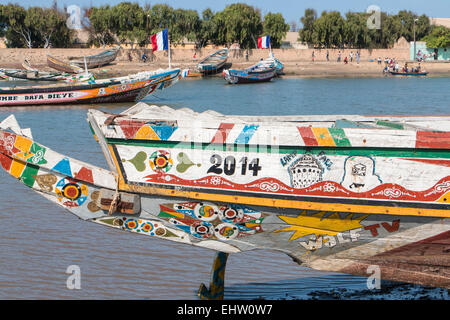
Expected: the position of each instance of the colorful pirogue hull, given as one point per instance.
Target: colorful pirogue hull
(233, 76)
(334, 194)
(212, 63)
(124, 89)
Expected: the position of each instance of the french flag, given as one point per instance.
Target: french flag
(160, 41)
(264, 42)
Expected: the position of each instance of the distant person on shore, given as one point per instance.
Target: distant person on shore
(397, 67)
(345, 60)
(339, 57)
(351, 56)
(246, 55)
(144, 57)
(313, 56)
(194, 59)
(357, 56)
(328, 56)
(379, 60)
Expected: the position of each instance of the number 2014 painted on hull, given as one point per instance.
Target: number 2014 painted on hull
(229, 165)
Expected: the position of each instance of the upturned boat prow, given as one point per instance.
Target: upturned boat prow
(347, 194)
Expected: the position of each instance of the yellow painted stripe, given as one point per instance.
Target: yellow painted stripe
(17, 168)
(146, 133)
(292, 204)
(323, 137)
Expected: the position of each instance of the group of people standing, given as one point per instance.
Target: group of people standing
(392, 65)
(346, 60)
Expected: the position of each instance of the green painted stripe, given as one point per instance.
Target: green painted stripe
(389, 124)
(339, 137)
(338, 151)
(29, 174)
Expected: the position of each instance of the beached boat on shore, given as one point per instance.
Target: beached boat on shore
(336, 193)
(394, 73)
(36, 75)
(96, 60)
(60, 65)
(263, 71)
(122, 89)
(212, 63)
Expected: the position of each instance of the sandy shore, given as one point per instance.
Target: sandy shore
(291, 69)
(297, 63)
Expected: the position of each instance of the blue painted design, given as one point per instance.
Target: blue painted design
(63, 167)
(246, 133)
(164, 132)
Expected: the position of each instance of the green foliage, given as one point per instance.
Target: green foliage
(439, 37)
(275, 26)
(34, 27)
(239, 23)
(332, 30)
(306, 33)
(101, 26)
(127, 22)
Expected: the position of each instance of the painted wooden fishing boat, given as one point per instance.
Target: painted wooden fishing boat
(96, 60)
(349, 194)
(123, 89)
(394, 73)
(36, 75)
(271, 61)
(213, 62)
(263, 71)
(60, 65)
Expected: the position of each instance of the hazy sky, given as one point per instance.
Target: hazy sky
(292, 10)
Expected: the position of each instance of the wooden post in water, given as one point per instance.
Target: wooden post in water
(217, 283)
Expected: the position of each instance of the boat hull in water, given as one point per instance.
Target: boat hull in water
(212, 63)
(239, 76)
(123, 89)
(345, 196)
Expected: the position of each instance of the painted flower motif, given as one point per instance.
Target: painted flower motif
(130, 224)
(329, 187)
(215, 181)
(160, 161)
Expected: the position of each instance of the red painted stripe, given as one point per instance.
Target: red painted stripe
(222, 133)
(130, 127)
(438, 162)
(308, 136)
(430, 139)
(5, 162)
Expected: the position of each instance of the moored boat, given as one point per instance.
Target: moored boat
(213, 62)
(96, 60)
(122, 89)
(336, 193)
(394, 73)
(260, 72)
(60, 65)
(36, 75)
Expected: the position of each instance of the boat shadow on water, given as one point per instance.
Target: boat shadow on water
(332, 287)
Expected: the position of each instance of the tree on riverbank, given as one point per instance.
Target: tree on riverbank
(439, 37)
(332, 30)
(34, 27)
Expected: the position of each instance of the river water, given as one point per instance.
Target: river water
(39, 241)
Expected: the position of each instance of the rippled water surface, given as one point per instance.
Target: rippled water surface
(39, 240)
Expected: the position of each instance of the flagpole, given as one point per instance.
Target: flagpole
(170, 65)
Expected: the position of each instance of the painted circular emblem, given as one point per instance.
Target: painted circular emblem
(201, 229)
(130, 224)
(206, 211)
(231, 214)
(75, 193)
(226, 231)
(160, 161)
(147, 227)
